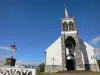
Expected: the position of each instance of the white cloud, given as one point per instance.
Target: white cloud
(19, 61)
(95, 40)
(5, 48)
(2, 56)
(31, 62)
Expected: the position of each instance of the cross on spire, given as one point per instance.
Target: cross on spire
(65, 11)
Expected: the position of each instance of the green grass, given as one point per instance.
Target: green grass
(82, 73)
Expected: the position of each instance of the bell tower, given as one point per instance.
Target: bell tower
(69, 33)
(67, 23)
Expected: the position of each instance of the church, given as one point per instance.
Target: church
(69, 51)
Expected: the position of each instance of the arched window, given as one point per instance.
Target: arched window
(65, 26)
(71, 25)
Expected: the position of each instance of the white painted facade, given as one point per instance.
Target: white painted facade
(88, 53)
(55, 51)
(54, 55)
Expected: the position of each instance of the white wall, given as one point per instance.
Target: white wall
(17, 71)
(66, 20)
(87, 53)
(54, 50)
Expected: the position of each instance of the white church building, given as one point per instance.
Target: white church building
(69, 52)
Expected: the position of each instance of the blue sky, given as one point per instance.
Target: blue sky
(35, 24)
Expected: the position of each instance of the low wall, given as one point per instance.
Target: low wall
(17, 71)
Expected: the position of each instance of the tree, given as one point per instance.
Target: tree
(41, 66)
(98, 60)
(8, 61)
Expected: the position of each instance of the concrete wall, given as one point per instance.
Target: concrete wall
(88, 53)
(17, 71)
(66, 20)
(88, 56)
(55, 51)
(51, 68)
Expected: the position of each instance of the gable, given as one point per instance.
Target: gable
(55, 44)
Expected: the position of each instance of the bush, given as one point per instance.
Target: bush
(98, 62)
(8, 61)
(42, 66)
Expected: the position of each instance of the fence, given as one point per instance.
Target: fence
(16, 71)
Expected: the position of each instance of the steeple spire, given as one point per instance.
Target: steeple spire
(65, 11)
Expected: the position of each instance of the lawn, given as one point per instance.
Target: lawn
(82, 73)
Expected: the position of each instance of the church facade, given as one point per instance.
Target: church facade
(69, 51)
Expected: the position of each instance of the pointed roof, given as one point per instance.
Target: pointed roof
(65, 11)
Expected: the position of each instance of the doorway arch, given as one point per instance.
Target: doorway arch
(70, 53)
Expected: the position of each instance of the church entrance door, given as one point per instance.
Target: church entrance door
(70, 64)
(70, 52)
